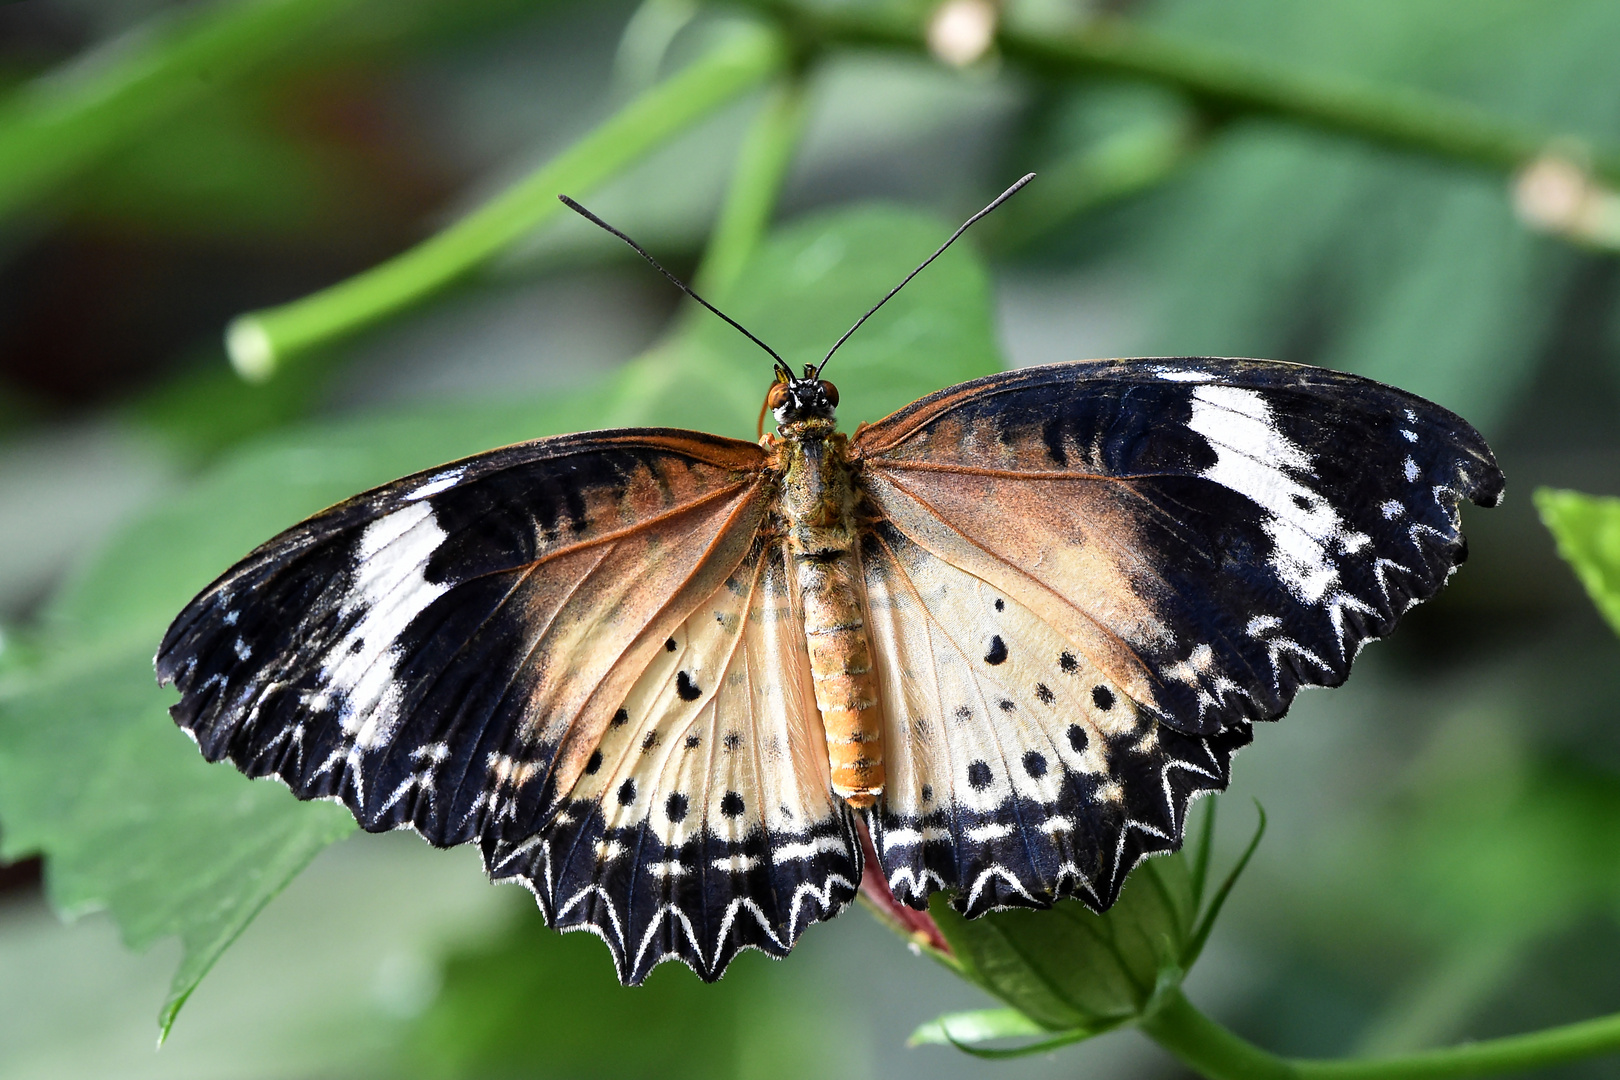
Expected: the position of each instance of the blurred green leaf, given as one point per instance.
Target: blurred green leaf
(93, 774)
(60, 122)
(535, 1003)
(980, 1025)
(1587, 528)
(1296, 245)
(1069, 968)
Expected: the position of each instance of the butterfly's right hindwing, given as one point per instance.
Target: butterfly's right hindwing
(703, 822)
(423, 650)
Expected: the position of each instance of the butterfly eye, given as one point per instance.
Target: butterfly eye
(831, 391)
(777, 396)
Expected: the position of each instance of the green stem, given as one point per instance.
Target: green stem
(762, 165)
(259, 340)
(61, 122)
(1214, 1052)
(1228, 83)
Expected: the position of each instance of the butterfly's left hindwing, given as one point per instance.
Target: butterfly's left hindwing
(1143, 556)
(438, 652)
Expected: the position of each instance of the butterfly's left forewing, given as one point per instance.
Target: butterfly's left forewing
(1088, 580)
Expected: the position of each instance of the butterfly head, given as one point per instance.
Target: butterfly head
(793, 400)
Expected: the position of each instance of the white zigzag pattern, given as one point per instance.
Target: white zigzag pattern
(545, 886)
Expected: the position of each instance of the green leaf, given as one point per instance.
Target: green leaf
(133, 819)
(63, 121)
(980, 1025)
(93, 774)
(533, 1002)
(1587, 528)
(1069, 968)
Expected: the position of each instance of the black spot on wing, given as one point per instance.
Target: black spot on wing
(997, 653)
(686, 688)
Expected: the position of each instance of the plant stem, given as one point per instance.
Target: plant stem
(60, 122)
(1227, 83)
(259, 340)
(756, 182)
(1217, 1053)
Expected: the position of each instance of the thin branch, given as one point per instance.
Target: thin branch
(59, 123)
(1217, 1053)
(756, 182)
(260, 340)
(1228, 83)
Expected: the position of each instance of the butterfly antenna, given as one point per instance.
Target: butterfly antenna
(679, 284)
(999, 199)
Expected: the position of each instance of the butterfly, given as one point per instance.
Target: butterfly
(667, 679)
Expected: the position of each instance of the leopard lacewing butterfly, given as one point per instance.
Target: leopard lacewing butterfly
(666, 678)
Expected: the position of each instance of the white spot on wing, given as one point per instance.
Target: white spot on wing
(437, 484)
(1257, 460)
(389, 590)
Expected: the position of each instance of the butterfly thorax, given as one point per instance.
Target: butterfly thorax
(817, 505)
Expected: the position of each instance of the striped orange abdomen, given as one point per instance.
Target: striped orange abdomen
(818, 508)
(841, 667)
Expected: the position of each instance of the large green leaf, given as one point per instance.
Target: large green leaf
(1587, 528)
(94, 776)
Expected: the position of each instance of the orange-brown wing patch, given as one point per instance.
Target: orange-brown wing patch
(423, 650)
(702, 821)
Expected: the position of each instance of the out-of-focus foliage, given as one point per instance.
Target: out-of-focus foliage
(1588, 532)
(754, 1023)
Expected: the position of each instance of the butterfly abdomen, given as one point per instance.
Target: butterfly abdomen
(818, 509)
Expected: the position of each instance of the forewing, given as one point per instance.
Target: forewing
(440, 652)
(1018, 771)
(1088, 580)
(702, 822)
(1212, 534)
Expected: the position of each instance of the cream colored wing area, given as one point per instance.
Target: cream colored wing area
(702, 822)
(1018, 771)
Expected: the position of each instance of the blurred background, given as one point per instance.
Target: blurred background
(1444, 853)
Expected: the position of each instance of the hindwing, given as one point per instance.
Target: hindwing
(703, 822)
(1018, 771)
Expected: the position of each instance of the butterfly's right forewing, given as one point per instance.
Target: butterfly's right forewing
(442, 652)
